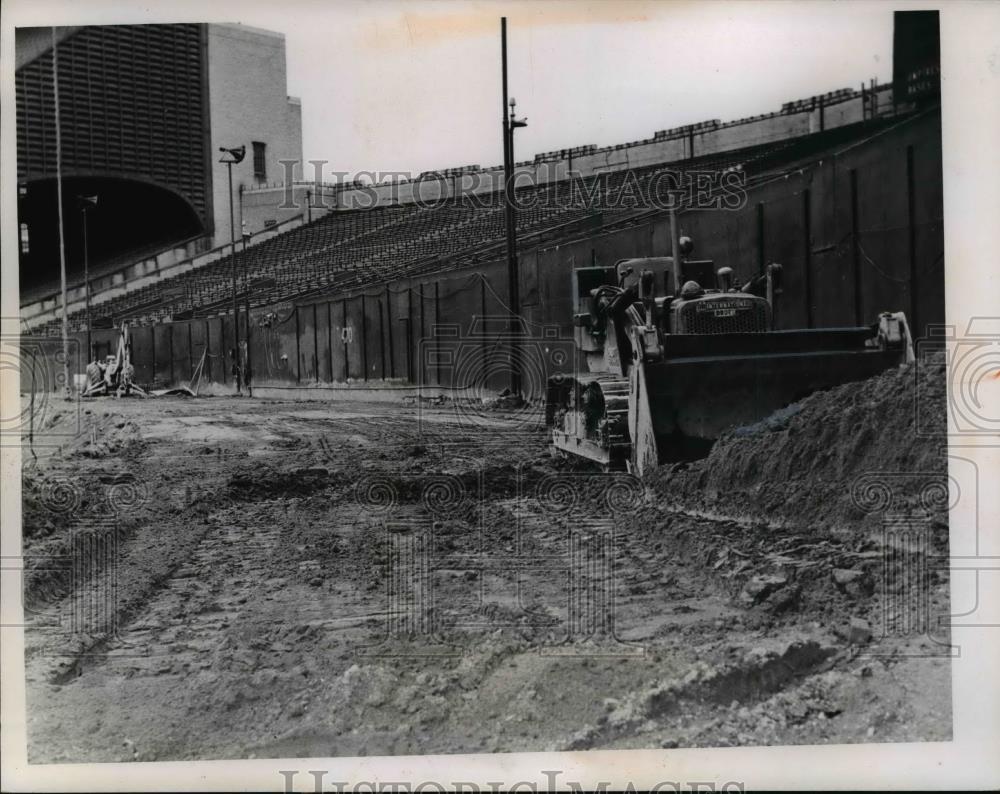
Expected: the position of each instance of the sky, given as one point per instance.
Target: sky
(391, 85)
(414, 85)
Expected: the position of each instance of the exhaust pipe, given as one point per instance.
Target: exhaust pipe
(675, 252)
(773, 282)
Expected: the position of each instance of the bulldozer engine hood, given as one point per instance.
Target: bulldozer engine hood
(720, 313)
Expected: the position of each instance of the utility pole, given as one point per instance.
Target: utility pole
(86, 281)
(246, 311)
(62, 243)
(229, 157)
(86, 202)
(236, 308)
(508, 123)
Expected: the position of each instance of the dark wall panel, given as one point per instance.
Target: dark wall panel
(883, 236)
(197, 346)
(262, 337)
(929, 232)
(307, 346)
(399, 318)
(181, 344)
(355, 347)
(339, 349)
(142, 349)
(528, 271)
(423, 319)
(163, 358)
(493, 373)
(831, 248)
(463, 330)
(784, 243)
(322, 312)
(373, 314)
(228, 337)
(213, 343)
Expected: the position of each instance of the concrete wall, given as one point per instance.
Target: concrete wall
(248, 102)
(263, 210)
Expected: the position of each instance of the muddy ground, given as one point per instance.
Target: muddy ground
(234, 578)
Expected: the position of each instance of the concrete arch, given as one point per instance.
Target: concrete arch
(134, 214)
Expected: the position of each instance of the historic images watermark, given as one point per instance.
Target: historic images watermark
(493, 356)
(563, 592)
(71, 593)
(322, 780)
(538, 187)
(49, 411)
(972, 361)
(921, 542)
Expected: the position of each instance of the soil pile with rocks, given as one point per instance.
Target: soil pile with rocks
(831, 459)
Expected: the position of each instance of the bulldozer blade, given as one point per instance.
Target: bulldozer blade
(644, 453)
(680, 406)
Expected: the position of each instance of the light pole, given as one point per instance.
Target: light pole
(229, 157)
(509, 123)
(246, 310)
(86, 203)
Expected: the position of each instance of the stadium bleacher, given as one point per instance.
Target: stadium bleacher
(346, 249)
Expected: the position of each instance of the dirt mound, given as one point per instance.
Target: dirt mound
(832, 458)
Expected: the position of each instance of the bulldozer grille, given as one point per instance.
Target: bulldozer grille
(732, 316)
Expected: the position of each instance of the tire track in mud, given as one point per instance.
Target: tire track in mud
(285, 582)
(84, 611)
(699, 604)
(180, 625)
(211, 571)
(182, 591)
(178, 605)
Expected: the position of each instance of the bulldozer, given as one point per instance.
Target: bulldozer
(677, 353)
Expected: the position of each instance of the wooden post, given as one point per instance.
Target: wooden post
(329, 338)
(343, 339)
(381, 337)
(152, 350)
(364, 336)
(208, 348)
(437, 334)
(807, 254)
(911, 229)
(422, 363)
(298, 348)
(409, 333)
(315, 343)
(170, 337)
(859, 312)
(760, 237)
(482, 330)
(388, 327)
